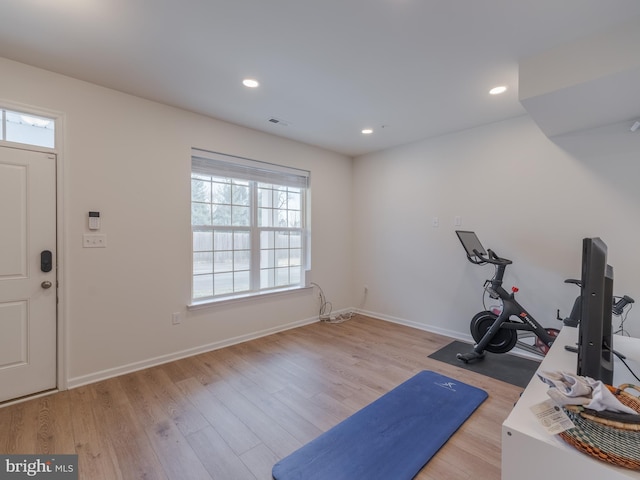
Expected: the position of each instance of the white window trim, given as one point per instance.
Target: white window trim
(253, 296)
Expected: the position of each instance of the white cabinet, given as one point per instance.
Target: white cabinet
(529, 452)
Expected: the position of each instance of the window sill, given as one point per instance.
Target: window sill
(245, 298)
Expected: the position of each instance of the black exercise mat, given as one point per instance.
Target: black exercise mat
(501, 366)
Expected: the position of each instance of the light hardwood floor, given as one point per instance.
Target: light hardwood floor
(230, 414)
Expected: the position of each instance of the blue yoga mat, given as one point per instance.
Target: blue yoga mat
(392, 438)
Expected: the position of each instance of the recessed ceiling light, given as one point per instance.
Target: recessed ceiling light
(250, 82)
(497, 90)
(367, 131)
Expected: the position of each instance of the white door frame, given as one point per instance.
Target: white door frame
(62, 373)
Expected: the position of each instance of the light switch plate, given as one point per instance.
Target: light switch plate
(93, 240)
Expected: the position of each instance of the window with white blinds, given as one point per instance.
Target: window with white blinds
(248, 221)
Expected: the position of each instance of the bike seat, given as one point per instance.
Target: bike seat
(574, 281)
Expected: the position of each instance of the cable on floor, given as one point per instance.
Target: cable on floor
(325, 313)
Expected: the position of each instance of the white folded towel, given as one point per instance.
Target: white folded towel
(571, 389)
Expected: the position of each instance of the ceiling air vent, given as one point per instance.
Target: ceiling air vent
(279, 121)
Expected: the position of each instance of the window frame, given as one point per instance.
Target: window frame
(256, 175)
(30, 121)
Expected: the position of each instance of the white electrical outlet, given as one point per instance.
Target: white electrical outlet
(435, 222)
(176, 318)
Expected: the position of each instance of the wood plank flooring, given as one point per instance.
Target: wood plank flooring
(230, 414)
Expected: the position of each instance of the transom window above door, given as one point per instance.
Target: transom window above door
(27, 128)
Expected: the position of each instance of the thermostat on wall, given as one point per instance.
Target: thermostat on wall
(94, 220)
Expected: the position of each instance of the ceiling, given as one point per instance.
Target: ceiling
(408, 69)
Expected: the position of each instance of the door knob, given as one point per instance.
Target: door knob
(46, 284)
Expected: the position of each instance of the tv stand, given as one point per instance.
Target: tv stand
(529, 452)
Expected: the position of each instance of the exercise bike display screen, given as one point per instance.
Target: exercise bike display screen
(470, 242)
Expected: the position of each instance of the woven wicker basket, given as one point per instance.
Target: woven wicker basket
(611, 439)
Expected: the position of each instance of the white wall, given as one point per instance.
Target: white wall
(527, 198)
(130, 159)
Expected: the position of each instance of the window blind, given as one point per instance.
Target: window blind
(223, 165)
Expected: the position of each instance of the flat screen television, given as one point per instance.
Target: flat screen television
(595, 342)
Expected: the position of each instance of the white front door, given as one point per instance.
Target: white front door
(28, 323)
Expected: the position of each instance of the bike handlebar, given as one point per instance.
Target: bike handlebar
(619, 303)
(493, 258)
(618, 307)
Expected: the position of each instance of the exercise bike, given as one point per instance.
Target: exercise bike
(498, 332)
(617, 309)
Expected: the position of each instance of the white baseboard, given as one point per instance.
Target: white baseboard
(152, 362)
(420, 326)
(447, 333)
